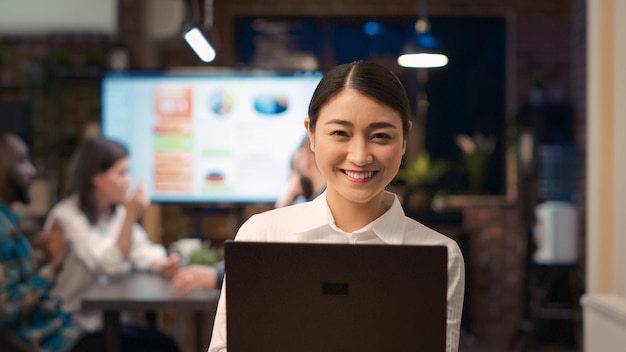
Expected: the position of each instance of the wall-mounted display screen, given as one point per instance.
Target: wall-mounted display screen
(224, 137)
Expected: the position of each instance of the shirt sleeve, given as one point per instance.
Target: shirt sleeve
(218, 338)
(456, 291)
(143, 252)
(247, 231)
(22, 286)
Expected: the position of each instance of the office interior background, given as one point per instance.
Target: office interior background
(525, 75)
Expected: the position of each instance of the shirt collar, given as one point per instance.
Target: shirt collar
(318, 220)
(390, 226)
(321, 225)
(10, 215)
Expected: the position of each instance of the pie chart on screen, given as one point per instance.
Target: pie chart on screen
(221, 103)
(270, 104)
(215, 176)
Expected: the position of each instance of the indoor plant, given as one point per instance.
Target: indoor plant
(476, 152)
(419, 180)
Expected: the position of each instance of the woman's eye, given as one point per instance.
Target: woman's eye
(381, 136)
(339, 133)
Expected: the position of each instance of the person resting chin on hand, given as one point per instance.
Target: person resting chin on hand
(100, 218)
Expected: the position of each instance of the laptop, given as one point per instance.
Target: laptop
(313, 297)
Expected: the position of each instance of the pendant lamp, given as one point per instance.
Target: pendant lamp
(421, 51)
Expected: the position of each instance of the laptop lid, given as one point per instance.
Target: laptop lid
(335, 297)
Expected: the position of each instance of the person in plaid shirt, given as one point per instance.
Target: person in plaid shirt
(29, 316)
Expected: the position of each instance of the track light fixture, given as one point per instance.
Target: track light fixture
(193, 35)
(200, 44)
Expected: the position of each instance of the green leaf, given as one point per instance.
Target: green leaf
(423, 171)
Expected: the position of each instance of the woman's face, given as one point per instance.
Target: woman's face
(358, 145)
(112, 185)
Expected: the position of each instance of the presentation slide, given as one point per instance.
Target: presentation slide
(212, 138)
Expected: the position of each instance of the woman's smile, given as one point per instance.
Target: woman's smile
(359, 176)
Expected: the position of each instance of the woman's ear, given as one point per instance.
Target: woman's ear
(307, 125)
(97, 179)
(406, 137)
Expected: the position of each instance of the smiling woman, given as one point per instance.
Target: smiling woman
(358, 124)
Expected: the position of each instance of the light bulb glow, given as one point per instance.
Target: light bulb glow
(422, 60)
(198, 42)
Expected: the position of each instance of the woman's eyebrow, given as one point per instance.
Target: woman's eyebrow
(339, 122)
(373, 125)
(382, 125)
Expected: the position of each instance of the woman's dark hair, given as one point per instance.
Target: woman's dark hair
(94, 156)
(368, 78)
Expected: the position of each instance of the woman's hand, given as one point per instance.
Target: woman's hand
(168, 266)
(194, 277)
(54, 243)
(137, 203)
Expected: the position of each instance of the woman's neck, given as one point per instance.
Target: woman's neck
(104, 209)
(319, 185)
(350, 216)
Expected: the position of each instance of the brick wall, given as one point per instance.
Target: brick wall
(495, 273)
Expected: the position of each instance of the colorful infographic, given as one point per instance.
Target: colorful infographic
(209, 138)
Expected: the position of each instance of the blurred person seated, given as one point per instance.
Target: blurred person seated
(297, 188)
(30, 318)
(100, 220)
(305, 180)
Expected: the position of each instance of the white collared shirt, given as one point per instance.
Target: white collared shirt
(93, 255)
(313, 222)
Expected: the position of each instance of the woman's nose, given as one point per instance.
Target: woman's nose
(127, 181)
(32, 170)
(359, 153)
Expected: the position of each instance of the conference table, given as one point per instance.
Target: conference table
(148, 293)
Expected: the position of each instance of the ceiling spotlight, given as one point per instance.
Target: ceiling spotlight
(192, 31)
(200, 44)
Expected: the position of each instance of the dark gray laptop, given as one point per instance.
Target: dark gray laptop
(311, 297)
